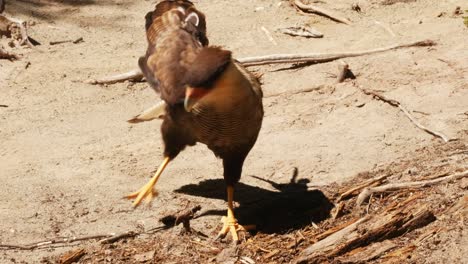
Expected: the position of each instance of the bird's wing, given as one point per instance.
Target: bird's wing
(174, 26)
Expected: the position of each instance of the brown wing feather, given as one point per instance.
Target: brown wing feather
(169, 34)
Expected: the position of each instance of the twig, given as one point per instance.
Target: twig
(305, 90)
(51, 242)
(2, 105)
(78, 40)
(307, 32)
(137, 75)
(118, 237)
(354, 191)
(321, 11)
(338, 210)
(395, 103)
(406, 185)
(269, 36)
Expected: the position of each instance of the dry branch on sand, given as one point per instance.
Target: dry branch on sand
(134, 75)
(369, 229)
(276, 59)
(395, 103)
(321, 11)
(406, 185)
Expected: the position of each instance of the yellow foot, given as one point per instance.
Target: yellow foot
(230, 225)
(147, 190)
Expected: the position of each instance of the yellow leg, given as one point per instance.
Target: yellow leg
(230, 222)
(147, 190)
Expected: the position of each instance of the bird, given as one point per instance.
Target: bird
(206, 97)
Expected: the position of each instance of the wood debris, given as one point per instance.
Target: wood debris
(72, 256)
(302, 31)
(321, 11)
(406, 185)
(183, 217)
(377, 228)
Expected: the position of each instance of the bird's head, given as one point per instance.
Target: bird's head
(208, 65)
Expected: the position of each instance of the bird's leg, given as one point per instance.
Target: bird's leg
(147, 190)
(230, 222)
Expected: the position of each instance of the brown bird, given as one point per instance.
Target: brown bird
(207, 96)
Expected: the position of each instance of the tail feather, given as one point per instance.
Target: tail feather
(157, 111)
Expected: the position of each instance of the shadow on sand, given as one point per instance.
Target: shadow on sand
(291, 207)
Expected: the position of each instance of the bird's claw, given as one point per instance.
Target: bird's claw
(145, 192)
(230, 225)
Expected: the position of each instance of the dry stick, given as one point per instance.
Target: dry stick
(324, 57)
(136, 75)
(395, 103)
(353, 191)
(305, 90)
(406, 185)
(275, 59)
(118, 237)
(78, 40)
(111, 238)
(321, 11)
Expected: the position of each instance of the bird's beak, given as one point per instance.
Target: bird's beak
(192, 95)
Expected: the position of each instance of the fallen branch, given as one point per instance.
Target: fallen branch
(137, 75)
(354, 191)
(321, 11)
(395, 103)
(134, 75)
(366, 231)
(52, 242)
(406, 185)
(324, 57)
(305, 90)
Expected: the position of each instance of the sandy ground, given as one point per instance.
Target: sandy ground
(67, 156)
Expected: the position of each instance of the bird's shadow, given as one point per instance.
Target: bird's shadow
(291, 207)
